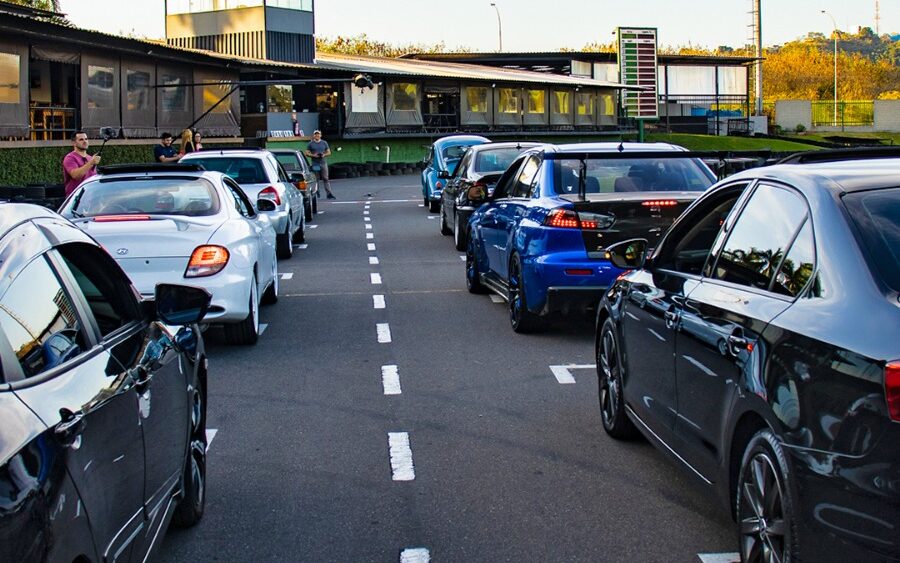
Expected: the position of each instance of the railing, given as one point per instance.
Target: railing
(853, 113)
(51, 122)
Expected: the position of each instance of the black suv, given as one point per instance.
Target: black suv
(759, 346)
(102, 399)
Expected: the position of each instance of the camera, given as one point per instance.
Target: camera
(107, 133)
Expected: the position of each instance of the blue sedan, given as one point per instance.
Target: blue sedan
(443, 156)
(539, 241)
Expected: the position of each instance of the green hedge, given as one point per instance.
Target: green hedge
(34, 165)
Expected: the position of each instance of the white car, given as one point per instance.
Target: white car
(172, 223)
(260, 175)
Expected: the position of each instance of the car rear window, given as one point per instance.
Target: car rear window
(877, 217)
(633, 175)
(241, 169)
(193, 197)
(496, 160)
(289, 162)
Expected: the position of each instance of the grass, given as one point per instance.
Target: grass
(713, 143)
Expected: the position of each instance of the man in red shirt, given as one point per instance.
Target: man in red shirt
(78, 165)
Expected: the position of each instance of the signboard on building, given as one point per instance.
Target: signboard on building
(638, 67)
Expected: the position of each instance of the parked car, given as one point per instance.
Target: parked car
(539, 240)
(259, 174)
(440, 162)
(476, 173)
(795, 424)
(180, 224)
(90, 375)
(299, 172)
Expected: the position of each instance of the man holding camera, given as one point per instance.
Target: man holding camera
(317, 150)
(164, 151)
(78, 165)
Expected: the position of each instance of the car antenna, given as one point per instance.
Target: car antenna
(621, 146)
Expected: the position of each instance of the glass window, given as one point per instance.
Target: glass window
(239, 198)
(477, 99)
(290, 162)
(213, 93)
(508, 100)
(526, 176)
(138, 89)
(9, 78)
(280, 98)
(100, 87)
(585, 105)
(303, 5)
(607, 103)
(633, 175)
(537, 102)
(877, 217)
(40, 321)
(495, 160)
(175, 97)
(193, 197)
(798, 267)
(404, 95)
(562, 102)
(195, 6)
(241, 170)
(762, 233)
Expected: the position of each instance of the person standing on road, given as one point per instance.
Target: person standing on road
(164, 151)
(318, 150)
(78, 165)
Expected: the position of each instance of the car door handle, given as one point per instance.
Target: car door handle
(71, 426)
(737, 344)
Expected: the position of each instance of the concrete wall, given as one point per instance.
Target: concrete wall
(790, 113)
(887, 115)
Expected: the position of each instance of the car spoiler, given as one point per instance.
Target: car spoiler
(149, 168)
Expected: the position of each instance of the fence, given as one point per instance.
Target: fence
(854, 113)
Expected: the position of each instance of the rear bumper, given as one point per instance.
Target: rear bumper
(566, 282)
(572, 300)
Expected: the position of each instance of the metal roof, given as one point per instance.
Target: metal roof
(592, 56)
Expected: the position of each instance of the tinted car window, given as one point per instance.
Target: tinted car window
(506, 182)
(877, 216)
(525, 179)
(632, 175)
(798, 266)
(238, 199)
(169, 196)
(761, 235)
(107, 291)
(496, 160)
(40, 321)
(290, 162)
(241, 169)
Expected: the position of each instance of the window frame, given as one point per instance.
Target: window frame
(236, 191)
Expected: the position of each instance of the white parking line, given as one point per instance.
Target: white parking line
(415, 555)
(378, 301)
(390, 380)
(367, 219)
(365, 212)
(384, 333)
(656, 334)
(376, 278)
(312, 226)
(719, 557)
(373, 260)
(287, 276)
(370, 236)
(368, 226)
(402, 468)
(421, 205)
(632, 316)
(564, 375)
(497, 299)
(432, 216)
(370, 246)
(210, 434)
(462, 257)
(301, 246)
(262, 328)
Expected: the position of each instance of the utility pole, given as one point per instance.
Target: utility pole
(756, 28)
(499, 25)
(834, 122)
(877, 19)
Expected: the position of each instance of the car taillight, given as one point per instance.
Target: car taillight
(270, 193)
(301, 185)
(892, 389)
(569, 219)
(113, 218)
(659, 203)
(206, 261)
(438, 185)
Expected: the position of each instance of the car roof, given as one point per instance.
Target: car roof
(224, 153)
(13, 214)
(156, 173)
(612, 147)
(461, 140)
(842, 176)
(505, 145)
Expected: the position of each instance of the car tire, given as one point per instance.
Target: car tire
(425, 201)
(609, 377)
(473, 282)
(246, 332)
(270, 295)
(433, 206)
(445, 230)
(764, 503)
(307, 209)
(283, 247)
(459, 235)
(520, 318)
(315, 204)
(722, 347)
(193, 481)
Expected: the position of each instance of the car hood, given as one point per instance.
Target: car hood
(156, 237)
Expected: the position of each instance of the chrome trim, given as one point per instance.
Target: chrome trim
(637, 419)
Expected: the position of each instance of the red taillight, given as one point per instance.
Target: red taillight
(659, 203)
(568, 219)
(113, 218)
(301, 185)
(270, 193)
(438, 185)
(206, 261)
(892, 389)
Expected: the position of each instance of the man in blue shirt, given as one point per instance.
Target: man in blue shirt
(165, 152)
(317, 150)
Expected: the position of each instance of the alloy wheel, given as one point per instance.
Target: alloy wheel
(762, 524)
(610, 385)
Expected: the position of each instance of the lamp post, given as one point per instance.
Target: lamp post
(834, 122)
(499, 25)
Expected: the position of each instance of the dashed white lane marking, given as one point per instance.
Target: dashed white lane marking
(312, 226)
(262, 328)
(656, 334)
(367, 219)
(287, 276)
(700, 366)
(357, 201)
(719, 557)
(563, 374)
(373, 260)
(432, 216)
(368, 226)
(632, 316)
(378, 301)
(384, 333)
(415, 555)
(376, 278)
(210, 434)
(421, 205)
(390, 380)
(301, 246)
(365, 212)
(370, 236)
(497, 299)
(371, 246)
(401, 457)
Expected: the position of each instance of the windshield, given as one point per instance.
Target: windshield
(632, 175)
(193, 197)
(877, 216)
(241, 170)
(495, 160)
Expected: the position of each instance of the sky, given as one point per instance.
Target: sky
(534, 25)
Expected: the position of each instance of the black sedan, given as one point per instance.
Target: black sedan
(474, 177)
(769, 363)
(102, 399)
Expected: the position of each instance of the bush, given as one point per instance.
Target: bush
(38, 165)
(799, 128)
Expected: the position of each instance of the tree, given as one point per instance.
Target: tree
(47, 5)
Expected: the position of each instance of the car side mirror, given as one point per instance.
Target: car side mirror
(628, 254)
(181, 304)
(263, 204)
(296, 177)
(476, 194)
(444, 174)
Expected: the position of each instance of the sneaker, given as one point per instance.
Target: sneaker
(331, 196)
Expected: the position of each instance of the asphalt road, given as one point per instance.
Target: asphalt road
(507, 462)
